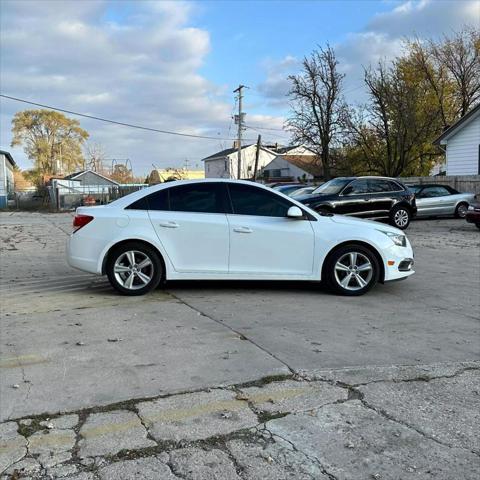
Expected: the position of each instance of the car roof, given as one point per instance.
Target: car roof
(421, 185)
(376, 177)
(128, 199)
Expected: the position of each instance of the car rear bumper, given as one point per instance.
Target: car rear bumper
(83, 253)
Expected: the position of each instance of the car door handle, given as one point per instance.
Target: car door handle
(169, 224)
(366, 199)
(242, 230)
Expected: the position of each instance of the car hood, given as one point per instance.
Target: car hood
(357, 222)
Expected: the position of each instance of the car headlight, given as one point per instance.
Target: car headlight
(396, 238)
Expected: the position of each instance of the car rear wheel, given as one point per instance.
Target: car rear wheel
(134, 268)
(461, 210)
(352, 270)
(400, 217)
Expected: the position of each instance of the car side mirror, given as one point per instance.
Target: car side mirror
(294, 212)
(348, 191)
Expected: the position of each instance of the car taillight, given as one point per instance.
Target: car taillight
(80, 221)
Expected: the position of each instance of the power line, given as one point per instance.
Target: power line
(124, 124)
(265, 128)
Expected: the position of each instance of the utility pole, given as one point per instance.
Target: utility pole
(240, 129)
(257, 155)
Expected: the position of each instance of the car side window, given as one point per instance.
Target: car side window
(359, 187)
(395, 187)
(247, 200)
(431, 192)
(199, 198)
(379, 186)
(154, 201)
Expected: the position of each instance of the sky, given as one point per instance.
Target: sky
(173, 65)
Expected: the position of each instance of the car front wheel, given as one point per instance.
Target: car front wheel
(400, 217)
(461, 210)
(352, 270)
(134, 268)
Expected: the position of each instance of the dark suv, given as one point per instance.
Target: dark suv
(365, 197)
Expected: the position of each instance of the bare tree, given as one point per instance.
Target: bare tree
(95, 157)
(318, 107)
(460, 54)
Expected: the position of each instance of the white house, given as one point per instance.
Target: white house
(292, 164)
(7, 164)
(224, 164)
(461, 143)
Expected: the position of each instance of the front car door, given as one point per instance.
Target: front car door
(263, 241)
(433, 200)
(354, 199)
(191, 223)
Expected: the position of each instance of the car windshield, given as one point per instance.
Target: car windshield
(332, 186)
(287, 188)
(415, 188)
(302, 191)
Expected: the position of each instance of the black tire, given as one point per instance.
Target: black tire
(400, 217)
(333, 276)
(461, 210)
(120, 258)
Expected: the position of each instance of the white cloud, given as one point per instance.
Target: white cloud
(141, 68)
(276, 85)
(381, 39)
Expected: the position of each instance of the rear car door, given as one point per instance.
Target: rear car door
(191, 224)
(381, 197)
(263, 240)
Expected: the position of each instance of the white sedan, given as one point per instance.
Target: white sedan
(231, 230)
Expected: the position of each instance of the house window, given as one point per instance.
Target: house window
(226, 165)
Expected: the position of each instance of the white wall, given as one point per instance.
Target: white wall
(287, 169)
(216, 168)
(462, 150)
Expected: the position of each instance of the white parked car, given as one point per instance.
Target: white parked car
(231, 230)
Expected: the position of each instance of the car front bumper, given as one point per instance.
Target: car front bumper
(399, 262)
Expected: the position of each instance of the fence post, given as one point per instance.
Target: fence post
(57, 199)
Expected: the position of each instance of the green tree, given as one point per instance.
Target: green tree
(411, 101)
(50, 139)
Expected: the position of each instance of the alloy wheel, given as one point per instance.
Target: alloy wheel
(133, 270)
(353, 271)
(462, 211)
(401, 218)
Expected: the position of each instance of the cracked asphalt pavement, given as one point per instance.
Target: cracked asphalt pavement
(243, 380)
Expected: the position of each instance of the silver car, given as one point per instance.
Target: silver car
(433, 200)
